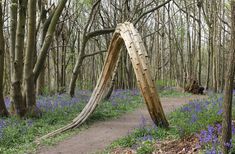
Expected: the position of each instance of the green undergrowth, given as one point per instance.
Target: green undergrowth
(173, 93)
(185, 121)
(19, 135)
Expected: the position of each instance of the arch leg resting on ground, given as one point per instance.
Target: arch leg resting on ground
(124, 34)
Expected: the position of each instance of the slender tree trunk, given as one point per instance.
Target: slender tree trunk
(3, 109)
(44, 27)
(199, 4)
(157, 44)
(223, 54)
(227, 105)
(209, 61)
(13, 25)
(214, 49)
(163, 41)
(17, 97)
(182, 62)
(220, 49)
(57, 65)
(170, 46)
(189, 43)
(30, 93)
(41, 83)
(48, 73)
(76, 72)
(194, 43)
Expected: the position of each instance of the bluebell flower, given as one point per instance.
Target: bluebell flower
(198, 108)
(220, 99)
(211, 129)
(229, 144)
(211, 151)
(194, 118)
(219, 128)
(233, 129)
(186, 109)
(220, 112)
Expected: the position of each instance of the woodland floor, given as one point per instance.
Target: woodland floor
(101, 134)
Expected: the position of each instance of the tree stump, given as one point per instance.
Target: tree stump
(194, 87)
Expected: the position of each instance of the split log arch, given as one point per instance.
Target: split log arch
(124, 34)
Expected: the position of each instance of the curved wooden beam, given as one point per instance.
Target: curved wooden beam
(124, 34)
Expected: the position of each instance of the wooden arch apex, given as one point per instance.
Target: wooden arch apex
(124, 34)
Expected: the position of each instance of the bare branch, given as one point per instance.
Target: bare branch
(151, 10)
(185, 11)
(93, 54)
(100, 32)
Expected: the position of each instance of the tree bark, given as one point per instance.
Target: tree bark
(3, 109)
(44, 27)
(214, 49)
(30, 94)
(13, 25)
(199, 4)
(227, 105)
(189, 44)
(17, 97)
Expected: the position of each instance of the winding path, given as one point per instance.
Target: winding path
(101, 134)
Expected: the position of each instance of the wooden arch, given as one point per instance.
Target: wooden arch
(124, 33)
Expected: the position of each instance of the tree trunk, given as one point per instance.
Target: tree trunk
(44, 27)
(30, 95)
(163, 46)
(3, 109)
(199, 4)
(189, 44)
(227, 105)
(76, 71)
(170, 46)
(17, 97)
(214, 49)
(41, 83)
(209, 61)
(13, 25)
(223, 54)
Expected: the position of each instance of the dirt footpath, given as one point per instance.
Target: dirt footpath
(101, 134)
